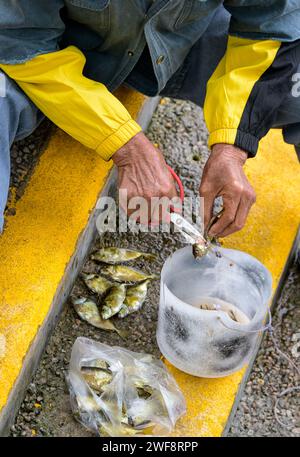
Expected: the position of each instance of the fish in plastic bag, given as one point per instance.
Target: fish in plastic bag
(117, 392)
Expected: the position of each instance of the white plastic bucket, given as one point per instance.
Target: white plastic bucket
(203, 342)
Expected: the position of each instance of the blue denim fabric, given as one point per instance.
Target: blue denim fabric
(189, 82)
(29, 28)
(181, 30)
(19, 116)
(112, 34)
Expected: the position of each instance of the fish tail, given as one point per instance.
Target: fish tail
(124, 311)
(122, 333)
(106, 313)
(150, 256)
(153, 277)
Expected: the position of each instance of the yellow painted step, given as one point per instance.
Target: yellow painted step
(269, 235)
(37, 247)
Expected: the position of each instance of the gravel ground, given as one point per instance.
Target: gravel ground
(178, 128)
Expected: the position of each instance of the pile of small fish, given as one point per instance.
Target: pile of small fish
(120, 290)
(116, 392)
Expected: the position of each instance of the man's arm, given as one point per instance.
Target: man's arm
(83, 108)
(243, 96)
(87, 111)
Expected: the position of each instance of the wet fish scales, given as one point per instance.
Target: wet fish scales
(122, 273)
(88, 311)
(200, 249)
(96, 283)
(96, 378)
(134, 300)
(87, 403)
(113, 301)
(114, 255)
(96, 363)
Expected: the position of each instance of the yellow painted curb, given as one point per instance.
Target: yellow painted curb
(269, 235)
(38, 243)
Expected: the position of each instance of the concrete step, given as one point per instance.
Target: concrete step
(41, 255)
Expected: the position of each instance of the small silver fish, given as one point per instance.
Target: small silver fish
(135, 297)
(96, 283)
(88, 311)
(96, 363)
(113, 255)
(113, 301)
(144, 390)
(141, 411)
(200, 249)
(96, 378)
(86, 404)
(121, 273)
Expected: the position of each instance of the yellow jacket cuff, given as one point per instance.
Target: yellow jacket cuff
(117, 139)
(222, 136)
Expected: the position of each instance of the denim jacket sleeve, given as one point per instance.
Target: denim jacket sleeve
(265, 19)
(29, 28)
(255, 74)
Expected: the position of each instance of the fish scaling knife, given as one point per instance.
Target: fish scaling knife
(201, 243)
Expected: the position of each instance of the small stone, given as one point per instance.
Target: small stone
(32, 388)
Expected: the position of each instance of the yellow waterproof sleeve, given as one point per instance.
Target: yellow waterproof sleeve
(246, 89)
(83, 108)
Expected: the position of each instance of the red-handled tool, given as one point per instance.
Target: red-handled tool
(189, 231)
(178, 182)
(201, 243)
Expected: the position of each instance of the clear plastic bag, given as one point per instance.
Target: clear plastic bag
(116, 392)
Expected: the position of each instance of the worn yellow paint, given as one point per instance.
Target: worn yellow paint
(209, 402)
(40, 239)
(269, 235)
(38, 243)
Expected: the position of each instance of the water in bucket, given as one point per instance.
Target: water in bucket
(211, 309)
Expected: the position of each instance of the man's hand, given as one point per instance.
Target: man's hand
(223, 176)
(142, 171)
